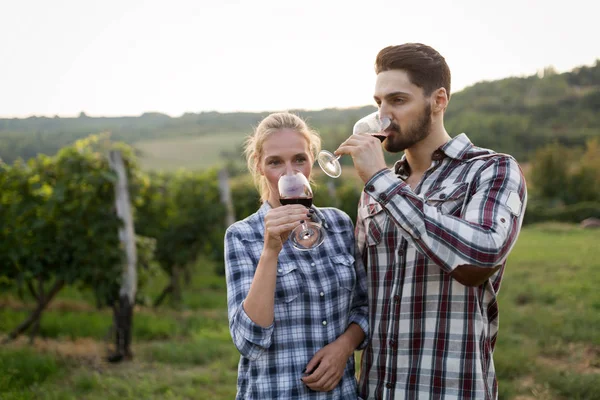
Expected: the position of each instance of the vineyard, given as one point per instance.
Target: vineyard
(60, 227)
(62, 266)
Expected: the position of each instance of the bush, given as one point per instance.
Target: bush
(574, 213)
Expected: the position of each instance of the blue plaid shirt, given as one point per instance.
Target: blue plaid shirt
(318, 294)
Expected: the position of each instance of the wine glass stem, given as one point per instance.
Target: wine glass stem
(305, 229)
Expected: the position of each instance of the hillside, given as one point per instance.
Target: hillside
(514, 115)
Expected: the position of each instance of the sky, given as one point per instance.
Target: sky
(127, 57)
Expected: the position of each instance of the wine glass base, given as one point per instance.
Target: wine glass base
(329, 164)
(308, 237)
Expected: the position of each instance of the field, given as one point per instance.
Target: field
(548, 347)
(194, 153)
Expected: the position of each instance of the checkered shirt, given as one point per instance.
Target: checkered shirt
(318, 294)
(432, 337)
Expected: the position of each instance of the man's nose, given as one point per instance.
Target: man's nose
(384, 113)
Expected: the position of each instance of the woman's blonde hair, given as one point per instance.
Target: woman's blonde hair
(271, 124)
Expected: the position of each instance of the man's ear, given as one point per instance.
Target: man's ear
(440, 100)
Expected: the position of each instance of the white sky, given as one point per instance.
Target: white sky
(126, 57)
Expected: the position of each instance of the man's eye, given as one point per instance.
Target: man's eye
(300, 159)
(399, 100)
(273, 162)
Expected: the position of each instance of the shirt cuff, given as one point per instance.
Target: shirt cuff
(407, 206)
(383, 185)
(251, 331)
(363, 322)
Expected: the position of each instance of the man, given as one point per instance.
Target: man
(434, 233)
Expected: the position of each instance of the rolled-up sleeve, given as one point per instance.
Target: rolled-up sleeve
(482, 236)
(250, 338)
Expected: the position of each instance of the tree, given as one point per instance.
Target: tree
(59, 225)
(183, 212)
(585, 180)
(550, 172)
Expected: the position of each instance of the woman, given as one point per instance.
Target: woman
(296, 317)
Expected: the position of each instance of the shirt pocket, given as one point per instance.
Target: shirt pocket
(374, 219)
(343, 265)
(448, 199)
(289, 283)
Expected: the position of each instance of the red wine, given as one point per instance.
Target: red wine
(305, 201)
(380, 137)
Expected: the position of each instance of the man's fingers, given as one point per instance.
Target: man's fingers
(354, 142)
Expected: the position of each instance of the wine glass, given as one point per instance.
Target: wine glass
(372, 124)
(294, 188)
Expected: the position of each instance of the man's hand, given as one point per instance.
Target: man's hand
(366, 153)
(326, 368)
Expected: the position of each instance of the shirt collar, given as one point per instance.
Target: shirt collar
(455, 148)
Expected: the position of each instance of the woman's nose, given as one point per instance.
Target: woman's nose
(289, 170)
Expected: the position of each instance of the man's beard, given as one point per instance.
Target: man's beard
(398, 141)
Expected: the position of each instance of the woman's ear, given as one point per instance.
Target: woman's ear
(258, 166)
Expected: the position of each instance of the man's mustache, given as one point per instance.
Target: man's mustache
(394, 127)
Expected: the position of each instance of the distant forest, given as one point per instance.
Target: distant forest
(512, 115)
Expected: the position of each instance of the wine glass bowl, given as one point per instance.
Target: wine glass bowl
(294, 188)
(329, 163)
(372, 124)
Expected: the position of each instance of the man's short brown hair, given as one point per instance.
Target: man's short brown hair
(425, 67)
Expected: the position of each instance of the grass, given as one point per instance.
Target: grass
(192, 153)
(24, 368)
(549, 339)
(148, 325)
(548, 346)
(198, 352)
(551, 285)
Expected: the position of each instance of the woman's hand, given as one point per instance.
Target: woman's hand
(280, 221)
(326, 368)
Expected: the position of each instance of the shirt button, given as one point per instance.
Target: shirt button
(389, 385)
(370, 188)
(312, 264)
(393, 343)
(442, 196)
(279, 270)
(324, 323)
(382, 196)
(397, 299)
(322, 294)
